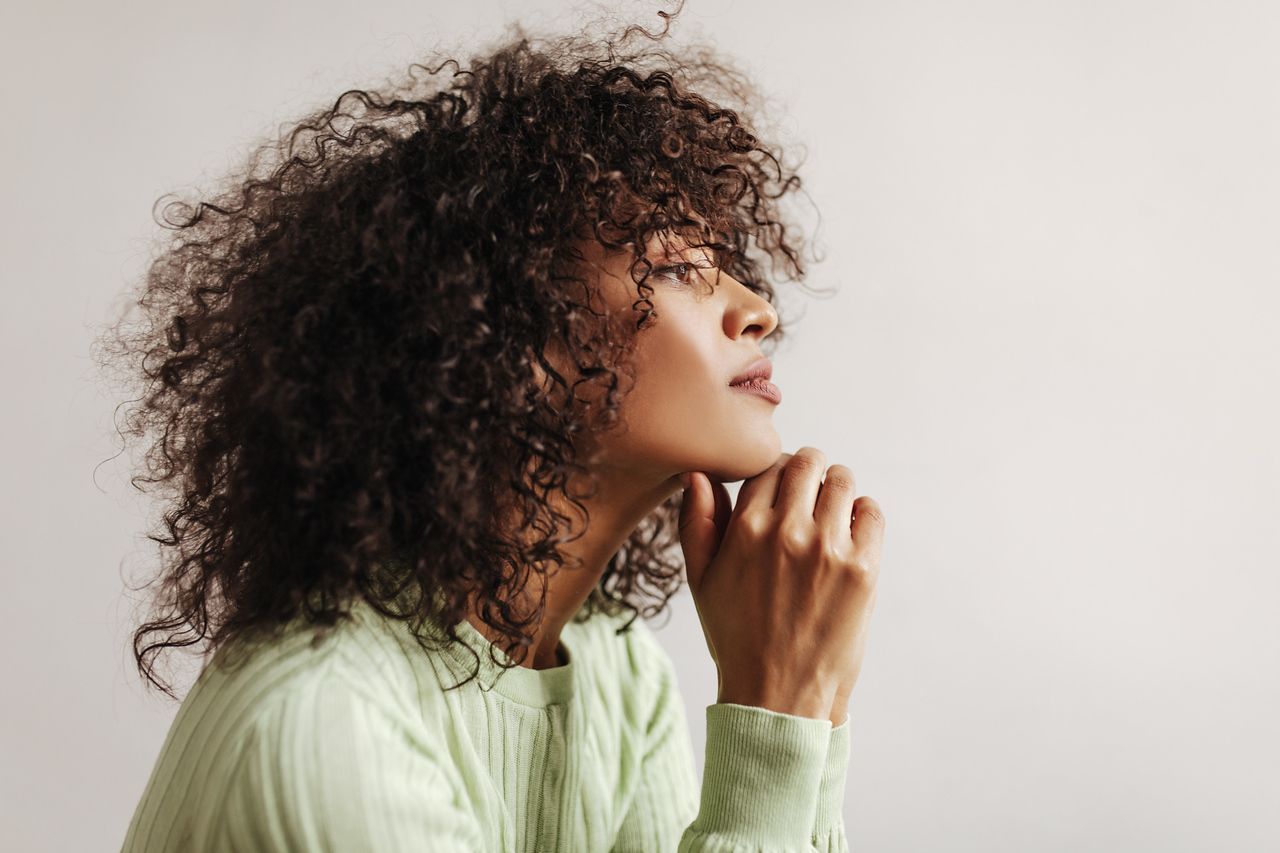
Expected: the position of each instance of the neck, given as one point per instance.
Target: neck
(622, 501)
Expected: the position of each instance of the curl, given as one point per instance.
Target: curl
(336, 356)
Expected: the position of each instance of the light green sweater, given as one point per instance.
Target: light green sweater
(352, 744)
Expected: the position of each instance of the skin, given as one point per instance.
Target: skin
(681, 416)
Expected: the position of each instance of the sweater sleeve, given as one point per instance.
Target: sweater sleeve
(771, 781)
(828, 826)
(329, 769)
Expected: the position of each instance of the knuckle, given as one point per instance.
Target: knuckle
(807, 458)
(868, 508)
(803, 466)
(834, 551)
(861, 571)
(838, 477)
(751, 526)
(794, 539)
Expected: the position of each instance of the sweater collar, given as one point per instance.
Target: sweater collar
(535, 687)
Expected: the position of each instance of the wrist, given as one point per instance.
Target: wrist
(796, 703)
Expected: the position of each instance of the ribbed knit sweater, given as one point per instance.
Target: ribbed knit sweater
(352, 743)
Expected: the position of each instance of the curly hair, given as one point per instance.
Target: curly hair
(336, 358)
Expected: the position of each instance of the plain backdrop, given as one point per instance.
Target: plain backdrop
(1051, 354)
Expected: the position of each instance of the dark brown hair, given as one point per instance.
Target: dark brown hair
(335, 357)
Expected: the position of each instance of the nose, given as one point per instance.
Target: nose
(748, 310)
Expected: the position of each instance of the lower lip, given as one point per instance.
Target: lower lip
(761, 388)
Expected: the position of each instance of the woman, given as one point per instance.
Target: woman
(425, 393)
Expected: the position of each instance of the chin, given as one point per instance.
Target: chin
(746, 457)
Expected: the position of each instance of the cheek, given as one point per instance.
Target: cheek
(681, 414)
(680, 397)
(679, 364)
(675, 385)
(687, 333)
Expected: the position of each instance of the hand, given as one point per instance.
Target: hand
(840, 707)
(784, 582)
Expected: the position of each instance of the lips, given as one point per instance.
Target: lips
(761, 369)
(755, 380)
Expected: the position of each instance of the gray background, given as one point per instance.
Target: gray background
(1052, 358)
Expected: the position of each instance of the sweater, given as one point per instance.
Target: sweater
(351, 742)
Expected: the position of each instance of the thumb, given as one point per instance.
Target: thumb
(701, 524)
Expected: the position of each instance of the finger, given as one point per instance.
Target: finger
(695, 508)
(798, 488)
(763, 487)
(835, 502)
(697, 527)
(724, 509)
(868, 529)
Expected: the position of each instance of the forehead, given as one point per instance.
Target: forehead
(670, 242)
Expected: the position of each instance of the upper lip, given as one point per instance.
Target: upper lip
(761, 368)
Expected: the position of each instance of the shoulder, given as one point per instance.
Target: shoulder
(299, 689)
(358, 656)
(291, 723)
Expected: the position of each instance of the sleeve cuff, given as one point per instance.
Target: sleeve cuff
(831, 790)
(761, 775)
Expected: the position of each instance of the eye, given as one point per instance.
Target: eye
(678, 272)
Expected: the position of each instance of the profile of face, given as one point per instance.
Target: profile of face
(682, 414)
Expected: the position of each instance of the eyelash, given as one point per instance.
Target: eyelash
(657, 271)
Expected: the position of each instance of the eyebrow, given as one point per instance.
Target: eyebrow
(678, 247)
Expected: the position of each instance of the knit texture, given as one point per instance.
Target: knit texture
(351, 743)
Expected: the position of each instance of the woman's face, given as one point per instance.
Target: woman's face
(681, 414)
